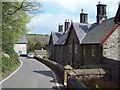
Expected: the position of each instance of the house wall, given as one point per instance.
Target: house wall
(111, 47)
(20, 48)
(111, 54)
(58, 53)
(64, 55)
(88, 58)
(50, 49)
(74, 50)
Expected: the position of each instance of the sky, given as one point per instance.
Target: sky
(54, 12)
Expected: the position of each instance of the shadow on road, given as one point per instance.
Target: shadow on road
(46, 73)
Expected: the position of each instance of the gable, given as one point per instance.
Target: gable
(62, 39)
(54, 37)
(50, 39)
(72, 36)
(109, 34)
(79, 30)
(111, 46)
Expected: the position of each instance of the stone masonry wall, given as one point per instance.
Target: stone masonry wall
(111, 46)
(111, 53)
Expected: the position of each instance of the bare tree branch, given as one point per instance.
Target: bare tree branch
(30, 7)
(16, 9)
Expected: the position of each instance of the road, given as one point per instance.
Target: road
(32, 74)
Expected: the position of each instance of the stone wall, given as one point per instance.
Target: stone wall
(111, 54)
(111, 46)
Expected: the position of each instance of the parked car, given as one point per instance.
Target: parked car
(30, 55)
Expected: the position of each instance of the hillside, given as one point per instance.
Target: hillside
(43, 39)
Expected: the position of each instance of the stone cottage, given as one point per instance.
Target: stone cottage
(83, 44)
(101, 45)
(20, 46)
(76, 34)
(66, 48)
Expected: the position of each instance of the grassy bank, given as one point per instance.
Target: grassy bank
(9, 61)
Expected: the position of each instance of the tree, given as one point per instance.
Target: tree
(30, 46)
(14, 19)
(37, 46)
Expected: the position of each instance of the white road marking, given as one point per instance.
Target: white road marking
(12, 73)
(56, 81)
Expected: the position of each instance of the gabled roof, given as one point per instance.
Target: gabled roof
(97, 34)
(117, 17)
(55, 36)
(81, 29)
(62, 39)
(22, 40)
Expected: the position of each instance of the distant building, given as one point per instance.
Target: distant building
(20, 46)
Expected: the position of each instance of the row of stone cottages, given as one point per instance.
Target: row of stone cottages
(82, 44)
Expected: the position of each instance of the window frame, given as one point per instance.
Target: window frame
(93, 50)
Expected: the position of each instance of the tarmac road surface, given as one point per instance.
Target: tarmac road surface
(32, 74)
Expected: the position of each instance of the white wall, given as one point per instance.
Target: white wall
(20, 47)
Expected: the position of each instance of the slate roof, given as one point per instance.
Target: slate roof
(22, 40)
(56, 36)
(81, 29)
(97, 34)
(62, 39)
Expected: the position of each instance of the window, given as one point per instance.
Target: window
(19, 52)
(93, 50)
(76, 47)
(70, 48)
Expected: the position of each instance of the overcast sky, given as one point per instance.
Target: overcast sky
(56, 11)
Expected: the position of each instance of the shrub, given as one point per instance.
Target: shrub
(8, 63)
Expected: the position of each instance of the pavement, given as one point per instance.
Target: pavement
(32, 74)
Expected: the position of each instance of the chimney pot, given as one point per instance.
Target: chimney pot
(60, 28)
(83, 17)
(66, 25)
(101, 12)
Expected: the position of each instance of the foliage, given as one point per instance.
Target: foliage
(36, 42)
(37, 46)
(14, 19)
(43, 39)
(34, 46)
(30, 47)
(46, 56)
(9, 62)
(14, 25)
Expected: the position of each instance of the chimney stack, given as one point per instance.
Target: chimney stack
(67, 23)
(101, 12)
(60, 28)
(83, 17)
